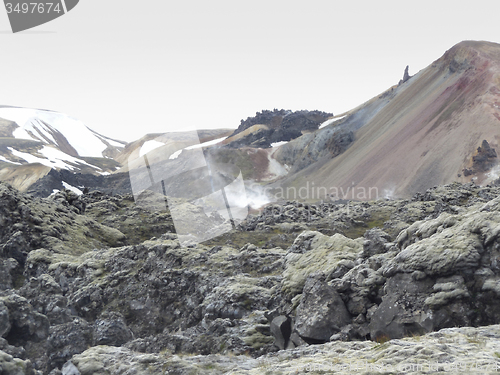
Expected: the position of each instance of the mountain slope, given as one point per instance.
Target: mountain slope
(424, 132)
(69, 135)
(33, 142)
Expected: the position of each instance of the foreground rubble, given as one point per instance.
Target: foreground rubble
(297, 288)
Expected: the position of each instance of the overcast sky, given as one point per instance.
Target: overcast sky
(127, 68)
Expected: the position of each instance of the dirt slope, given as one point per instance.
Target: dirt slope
(426, 135)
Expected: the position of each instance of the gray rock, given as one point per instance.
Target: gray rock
(112, 330)
(376, 242)
(14, 366)
(321, 312)
(69, 369)
(402, 311)
(4, 320)
(26, 324)
(15, 351)
(281, 330)
(66, 340)
(297, 340)
(406, 75)
(9, 269)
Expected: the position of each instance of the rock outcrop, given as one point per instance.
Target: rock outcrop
(406, 75)
(267, 127)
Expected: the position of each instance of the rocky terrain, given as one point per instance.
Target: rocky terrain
(268, 127)
(95, 280)
(96, 284)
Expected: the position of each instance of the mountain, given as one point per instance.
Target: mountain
(436, 127)
(33, 142)
(58, 130)
(439, 126)
(44, 151)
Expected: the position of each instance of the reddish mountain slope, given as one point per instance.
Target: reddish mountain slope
(427, 134)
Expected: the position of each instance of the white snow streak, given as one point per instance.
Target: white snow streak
(330, 121)
(277, 144)
(149, 146)
(72, 188)
(8, 161)
(55, 158)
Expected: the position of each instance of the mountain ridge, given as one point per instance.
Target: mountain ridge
(423, 132)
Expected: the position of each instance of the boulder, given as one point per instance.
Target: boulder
(15, 366)
(66, 340)
(25, 323)
(314, 252)
(111, 329)
(321, 312)
(4, 320)
(281, 330)
(69, 369)
(402, 311)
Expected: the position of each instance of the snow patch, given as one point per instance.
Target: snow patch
(42, 129)
(33, 159)
(54, 158)
(277, 144)
(8, 161)
(56, 155)
(83, 140)
(149, 146)
(206, 144)
(72, 188)
(176, 154)
(330, 121)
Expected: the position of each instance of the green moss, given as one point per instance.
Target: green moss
(359, 229)
(324, 255)
(239, 238)
(18, 280)
(257, 340)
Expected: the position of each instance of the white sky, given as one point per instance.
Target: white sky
(127, 68)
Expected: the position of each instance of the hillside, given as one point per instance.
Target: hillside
(425, 132)
(34, 142)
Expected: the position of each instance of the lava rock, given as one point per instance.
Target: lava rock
(321, 312)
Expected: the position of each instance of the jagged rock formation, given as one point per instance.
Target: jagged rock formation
(406, 76)
(118, 183)
(483, 161)
(267, 127)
